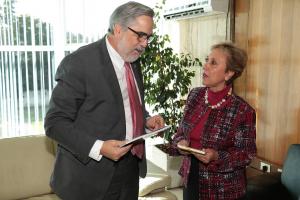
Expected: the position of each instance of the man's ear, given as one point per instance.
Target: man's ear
(229, 74)
(117, 29)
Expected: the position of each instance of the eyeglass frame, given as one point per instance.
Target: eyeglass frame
(142, 35)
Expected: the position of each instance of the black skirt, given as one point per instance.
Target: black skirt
(191, 192)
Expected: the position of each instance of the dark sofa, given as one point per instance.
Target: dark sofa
(285, 185)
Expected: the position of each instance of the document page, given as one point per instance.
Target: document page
(148, 134)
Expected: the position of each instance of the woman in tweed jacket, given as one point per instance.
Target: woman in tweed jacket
(222, 125)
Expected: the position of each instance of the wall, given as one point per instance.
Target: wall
(270, 31)
(198, 34)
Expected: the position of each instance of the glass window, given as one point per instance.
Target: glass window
(34, 36)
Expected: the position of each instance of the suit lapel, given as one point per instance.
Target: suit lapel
(110, 74)
(111, 77)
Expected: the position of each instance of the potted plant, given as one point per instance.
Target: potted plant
(167, 77)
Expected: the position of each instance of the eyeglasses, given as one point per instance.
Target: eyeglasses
(142, 36)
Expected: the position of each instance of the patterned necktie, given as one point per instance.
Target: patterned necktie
(136, 111)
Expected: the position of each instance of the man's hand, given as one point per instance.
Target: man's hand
(112, 150)
(155, 122)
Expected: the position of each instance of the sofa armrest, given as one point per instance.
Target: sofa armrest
(153, 183)
(26, 166)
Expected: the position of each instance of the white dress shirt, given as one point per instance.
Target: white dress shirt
(119, 68)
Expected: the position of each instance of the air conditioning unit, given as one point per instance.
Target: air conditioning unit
(182, 9)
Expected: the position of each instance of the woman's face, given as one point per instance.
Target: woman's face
(214, 75)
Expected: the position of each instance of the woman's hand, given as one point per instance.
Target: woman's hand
(183, 143)
(210, 155)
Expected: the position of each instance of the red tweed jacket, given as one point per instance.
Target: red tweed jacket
(231, 131)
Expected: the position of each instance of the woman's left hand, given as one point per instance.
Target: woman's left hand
(210, 155)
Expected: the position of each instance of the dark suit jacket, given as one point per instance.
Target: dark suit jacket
(86, 105)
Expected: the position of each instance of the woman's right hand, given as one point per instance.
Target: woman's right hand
(183, 143)
(210, 155)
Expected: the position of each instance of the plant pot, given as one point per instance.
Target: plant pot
(169, 164)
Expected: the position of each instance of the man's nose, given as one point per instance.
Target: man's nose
(144, 43)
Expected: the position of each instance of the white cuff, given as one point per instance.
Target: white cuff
(95, 150)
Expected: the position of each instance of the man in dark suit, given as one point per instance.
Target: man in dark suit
(96, 105)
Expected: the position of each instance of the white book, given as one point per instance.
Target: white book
(190, 149)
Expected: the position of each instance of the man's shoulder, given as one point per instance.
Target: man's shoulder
(90, 48)
(87, 52)
(89, 56)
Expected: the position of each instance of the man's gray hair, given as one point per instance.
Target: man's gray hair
(127, 13)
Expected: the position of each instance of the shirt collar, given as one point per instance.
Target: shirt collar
(114, 55)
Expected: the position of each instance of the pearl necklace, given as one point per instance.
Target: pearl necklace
(220, 102)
